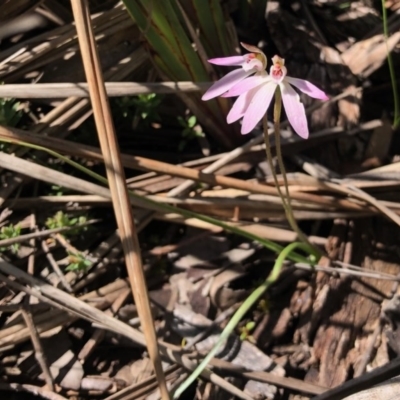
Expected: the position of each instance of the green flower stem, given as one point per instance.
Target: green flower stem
(284, 197)
(276, 248)
(242, 311)
(289, 210)
(396, 118)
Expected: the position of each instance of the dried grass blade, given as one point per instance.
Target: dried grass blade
(17, 136)
(80, 89)
(116, 178)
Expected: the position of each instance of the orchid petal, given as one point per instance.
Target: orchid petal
(295, 112)
(225, 83)
(245, 85)
(229, 61)
(307, 88)
(240, 106)
(258, 106)
(251, 48)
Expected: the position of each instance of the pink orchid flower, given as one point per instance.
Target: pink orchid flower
(256, 92)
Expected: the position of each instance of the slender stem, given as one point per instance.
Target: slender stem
(242, 311)
(270, 161)
(277, 131)
(284, 197)
(396, 118)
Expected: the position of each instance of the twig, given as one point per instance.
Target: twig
(55, 266)
(347, 271)
(268, 377)
(66, 244)
(37, 345)
(32, 243)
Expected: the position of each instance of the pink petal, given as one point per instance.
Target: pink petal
(294, 110)
(245, 85)
(234, 60)
(307, 88)
(240, 106)
(225, 83)
(258, 107)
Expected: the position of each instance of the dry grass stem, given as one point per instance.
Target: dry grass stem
(116, 179)
(81, 90)
(37, 345)
(206, 175)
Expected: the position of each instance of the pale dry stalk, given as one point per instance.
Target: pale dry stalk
(116, 179)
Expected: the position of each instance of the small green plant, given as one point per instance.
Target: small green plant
(191, 130)
(62, 220)
(77, 262)
(246, 330)
(141, 108)
(9, 232)
(10, 113)
(57, 190)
